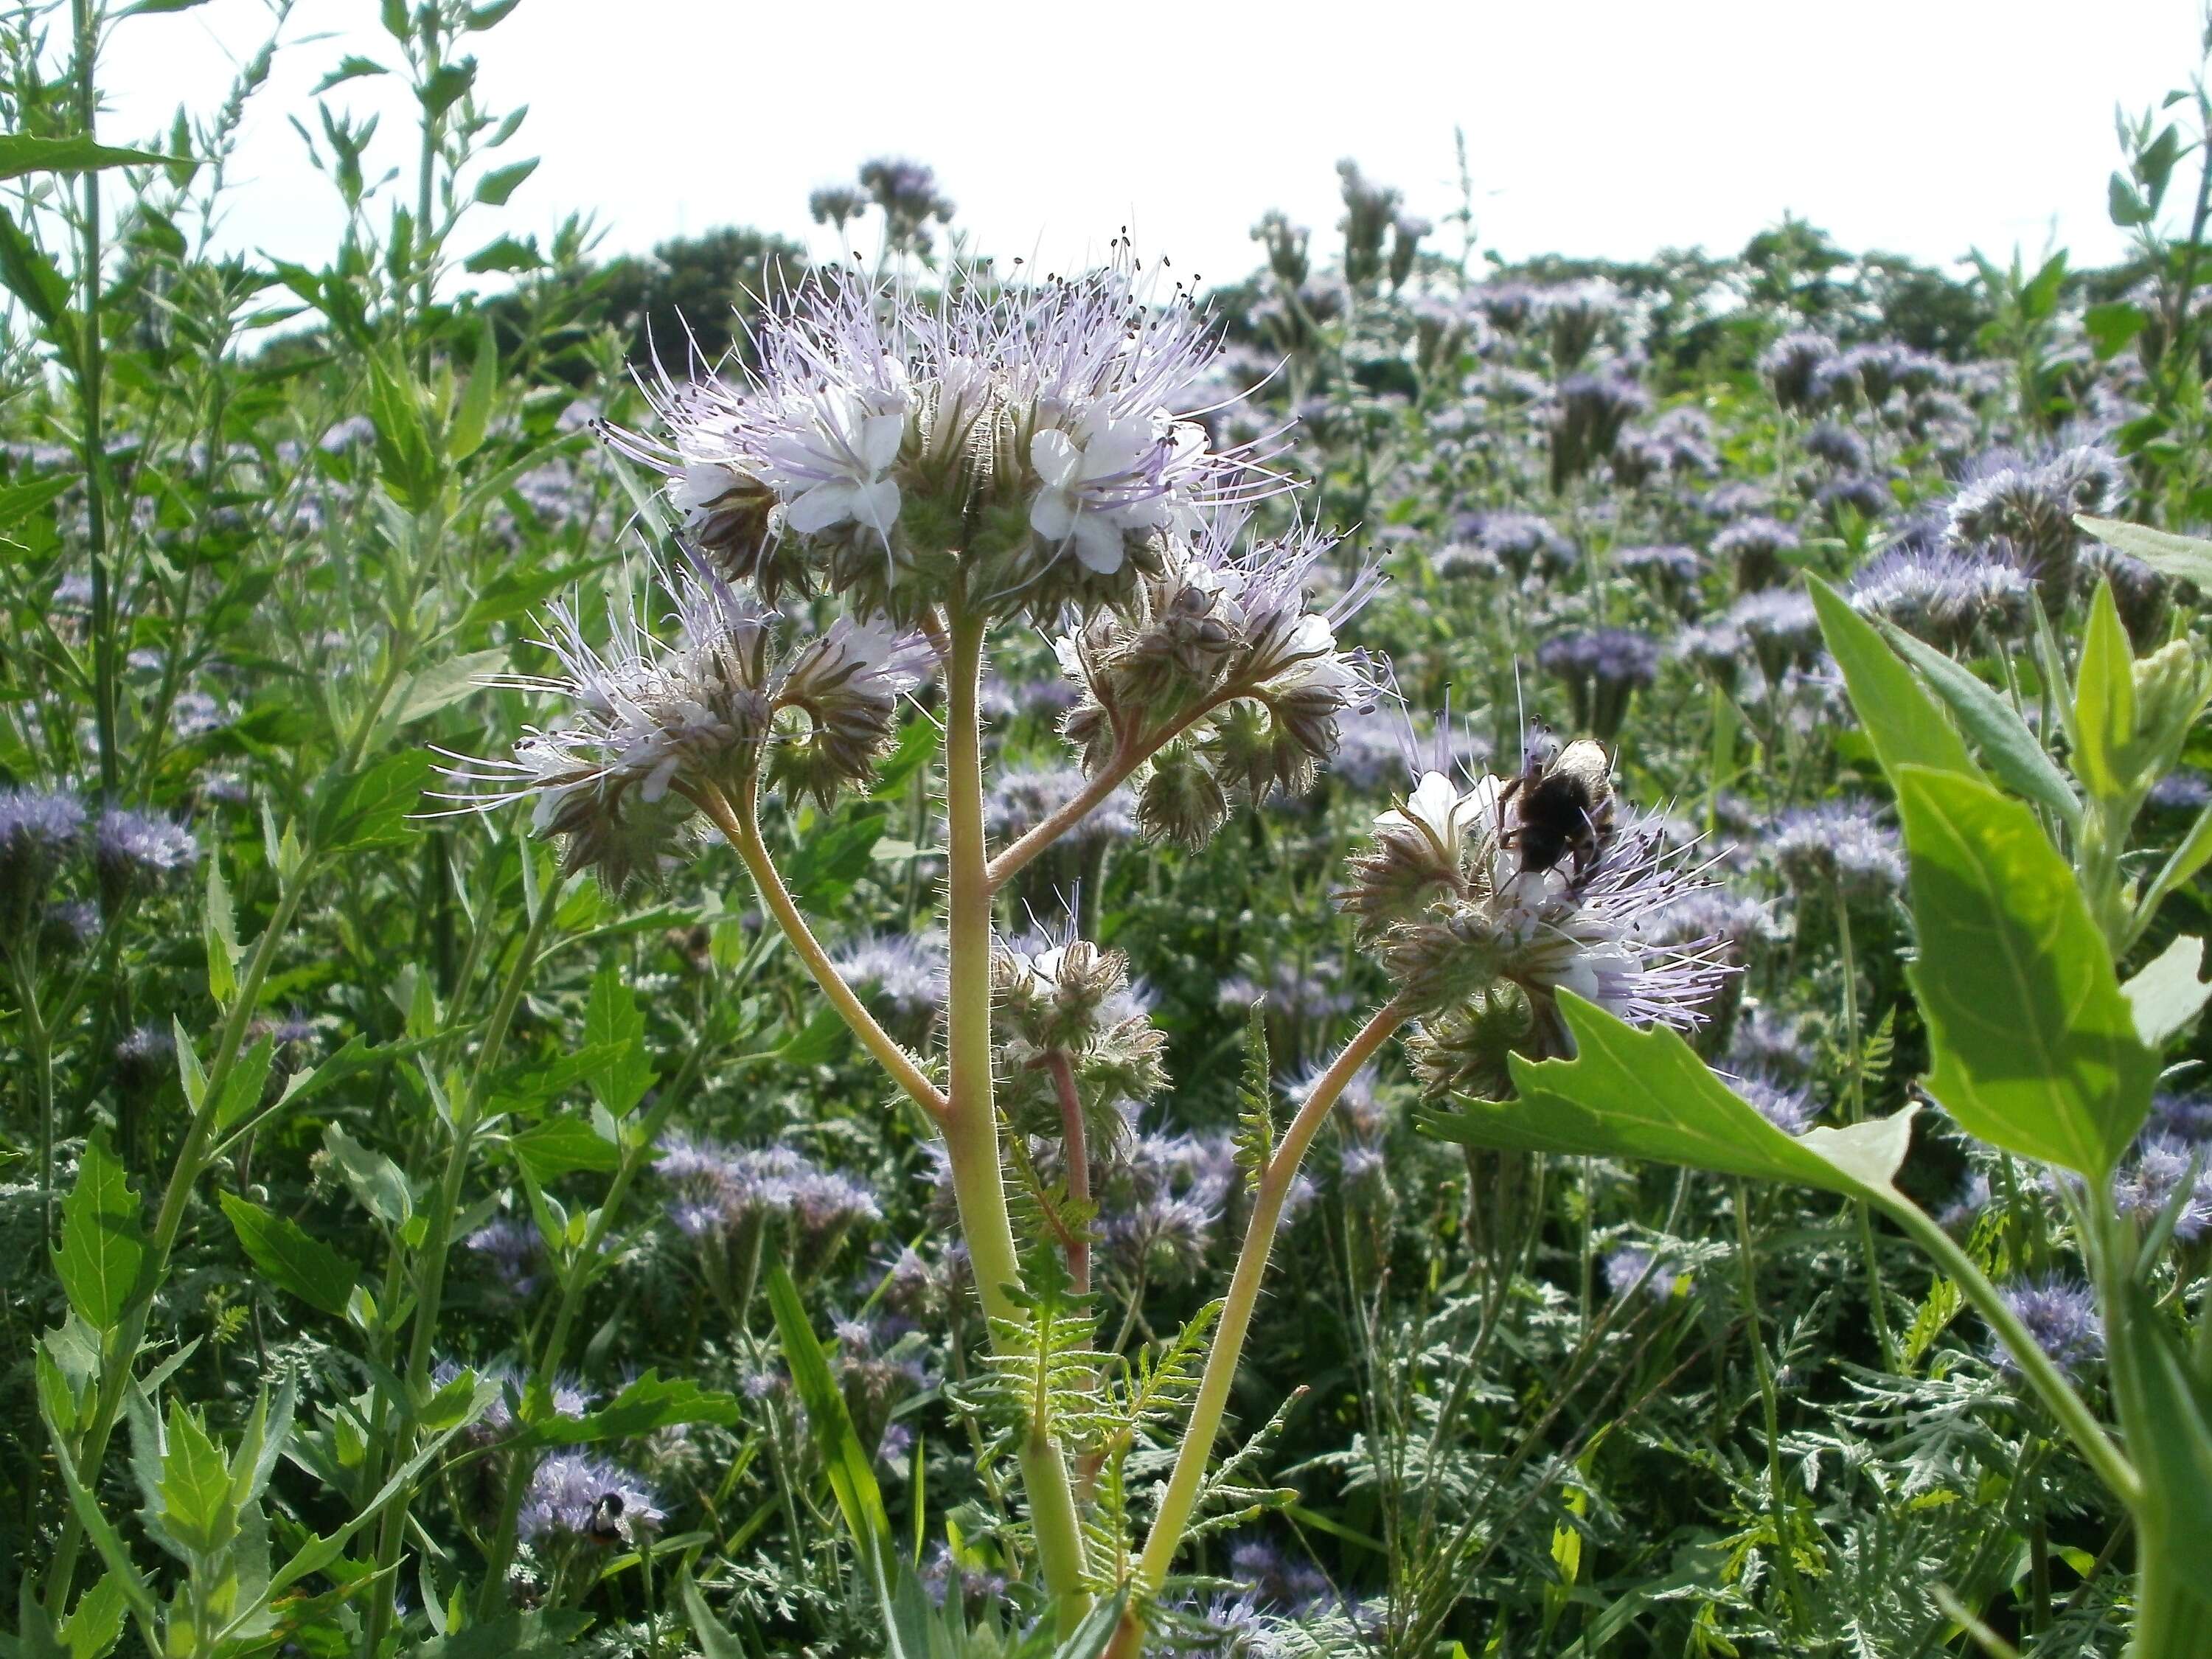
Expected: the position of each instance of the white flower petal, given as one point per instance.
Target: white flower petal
(1055, 456)
(1098, 544)
(1052, 515)
(824, 505)
(881, 437)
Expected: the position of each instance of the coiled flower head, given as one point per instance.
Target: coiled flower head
(650, 724)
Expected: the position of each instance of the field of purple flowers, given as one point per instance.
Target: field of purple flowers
(1419, 956)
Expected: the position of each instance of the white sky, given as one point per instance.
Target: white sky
(1600, 127)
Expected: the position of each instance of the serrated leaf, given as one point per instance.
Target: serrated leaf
(823, 869)
(1646, 1094)
(472, 416)
(249, 1077)
(647, 1404)
(222, 929)
(197, 1510)
(444, 685)
(371, 809)
(102, 1249)
(562, 1147)
(613, 1022)
(22, 152)
(293, 1260)
(2033, 1047)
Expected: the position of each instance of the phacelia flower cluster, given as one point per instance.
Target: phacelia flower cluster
(737, 696)
(1222, 644)
(1030, 447)
(1485, 904)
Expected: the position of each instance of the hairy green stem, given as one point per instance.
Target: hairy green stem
(2049, 1384)
(1227, 1346)
(971, 1125)
(437, 1246)
(740, 824)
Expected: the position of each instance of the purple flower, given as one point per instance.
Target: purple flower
(1757, 548)
(38, 829)
(137, 849)
(1603, 668)
(1838, 845)
(1789, 1108)
(515, 1250)
(2061, 1315)
(1791, 365)
(1942, 594)
(1629, 1267)
(2167, 1171)
(573, 1496)
(902, 972)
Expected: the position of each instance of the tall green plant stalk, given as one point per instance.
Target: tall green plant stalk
(971, 1124)
(92, 364)
(1272, 1188)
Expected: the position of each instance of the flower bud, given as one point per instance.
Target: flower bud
(1466, 1049)
(1181, 800)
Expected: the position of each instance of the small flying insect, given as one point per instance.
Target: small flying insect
(1565, 800)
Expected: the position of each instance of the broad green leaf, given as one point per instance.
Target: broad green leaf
(918, 741)
(376, 1180)
(102, 1249)
(496, 187)
(613, 1022)
(647, 1404)
(2104, 700)
(95, 1625)
(249, 1077)
(1644, 1094)
(32, 277)
(2012, 751)
(2186, 558)
(22, 152)
(371, 809)
(198, 1509)
(2167, 995)
(443, 685)
(1904, 724)
(472, 417)
(1088, 1639)
(827, 863)
(2034, 1048)
(294, 1260)
(817, 1043)
(562, 1146)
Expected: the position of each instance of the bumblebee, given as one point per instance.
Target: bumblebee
(1565, 802)
(607, 1525)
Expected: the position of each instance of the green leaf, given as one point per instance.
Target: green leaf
(2104, 700)
(102, 1249)
(2125, 204)
(248, 1079)
(95, 1625)
(825, 866)
(2167, 1412)
(446, 85)
(1646, 1094)
(496, 187)
(22, 152)
(222, 932)
(562, 1146)
(375, 1180)
(817, 1043)
(714, 1639)
(198, 1509)
(2111, 326)
(371, 809)
(2183, 862)
(2034, 1048)
(918, 741)
(1904, 724)
(504, 254)
(851, 1477)
(352, 67)
(2167, 995)
(613, 1022)
(2011, 750)
(32, 277)
(541, 1634)
(473, 415)
(442, 685)
(646, 1405)
(2186, 558)
(296, 1261)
